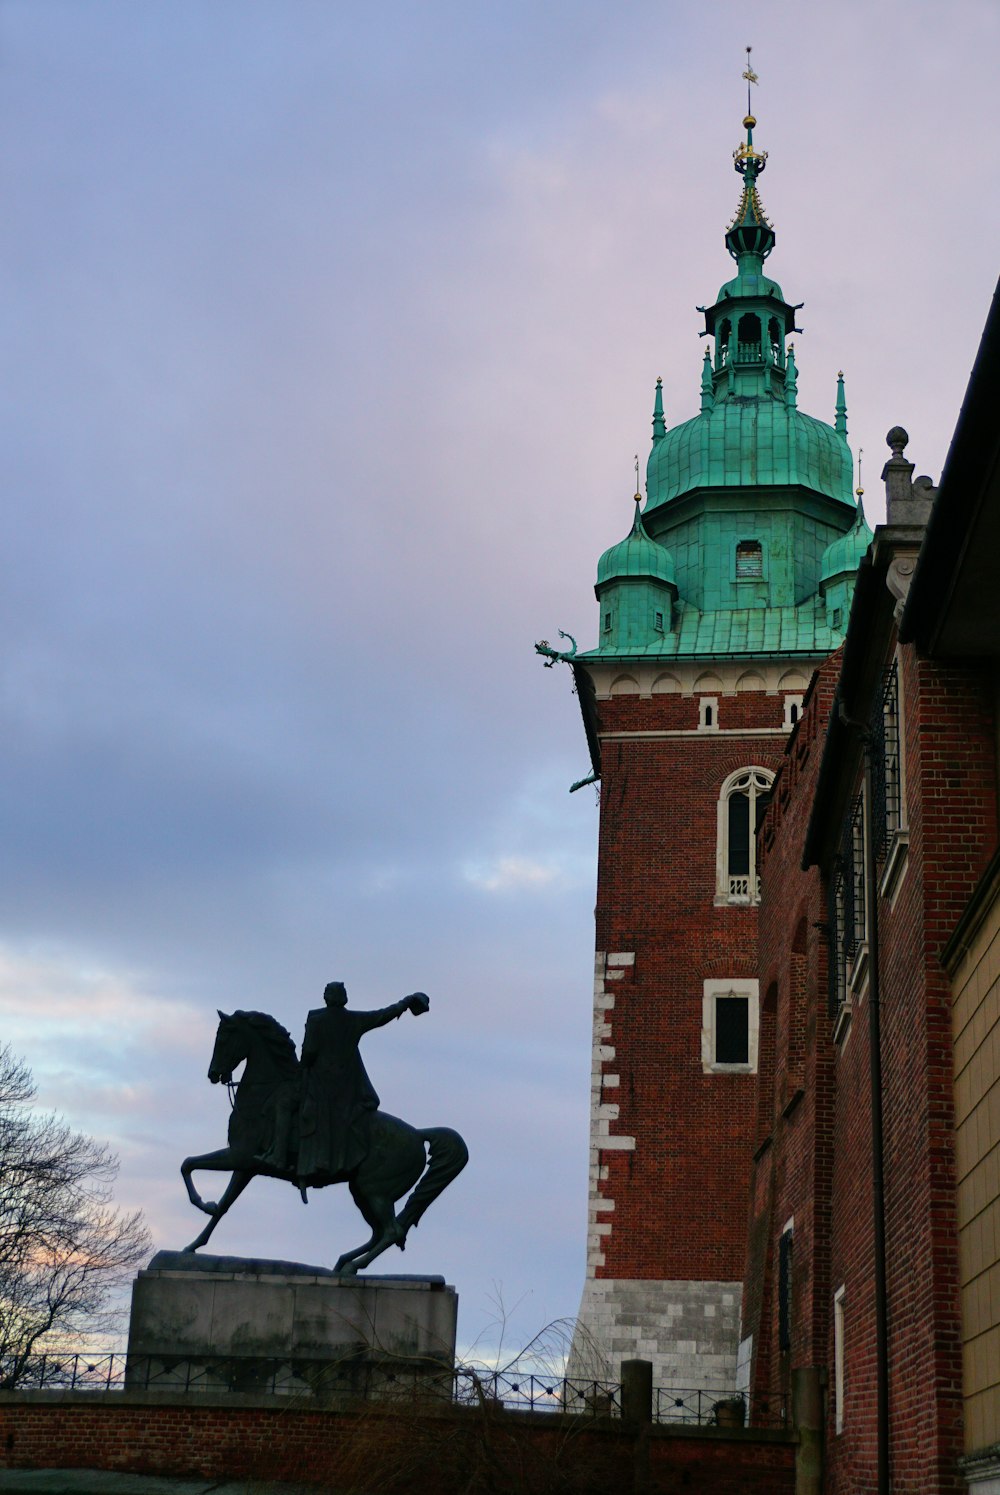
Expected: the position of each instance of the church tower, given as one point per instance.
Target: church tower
(733, 582)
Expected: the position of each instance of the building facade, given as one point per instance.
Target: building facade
(872, 1281)
(732, 585)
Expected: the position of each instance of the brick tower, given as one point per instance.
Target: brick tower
(733, 583)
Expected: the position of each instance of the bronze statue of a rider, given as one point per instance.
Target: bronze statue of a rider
(337, 1099)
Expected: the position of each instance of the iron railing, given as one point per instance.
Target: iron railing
(718, 1408)
(304, 1377)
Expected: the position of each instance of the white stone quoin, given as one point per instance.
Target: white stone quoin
(690, 1331)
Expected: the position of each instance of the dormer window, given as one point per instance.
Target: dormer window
(749, 560)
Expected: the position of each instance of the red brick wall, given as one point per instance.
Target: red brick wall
(384, 1450)
(680, 1196)
(817, 1167)
(790, 1177)
(951, 800)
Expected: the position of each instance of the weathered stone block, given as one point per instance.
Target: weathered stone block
(215, 1323)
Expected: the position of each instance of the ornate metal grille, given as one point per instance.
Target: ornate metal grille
(885, 764)
(852, 856)
(836, 964)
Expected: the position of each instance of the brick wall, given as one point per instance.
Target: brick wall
(678, 1197)
(951, 800)
(790, 1178)
(385, 1450)
(814, 1160)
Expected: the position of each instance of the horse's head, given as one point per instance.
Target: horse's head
(231, 1044)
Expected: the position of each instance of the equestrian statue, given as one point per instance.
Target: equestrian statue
(315, 1120)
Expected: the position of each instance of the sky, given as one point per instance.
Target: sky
(331, 331)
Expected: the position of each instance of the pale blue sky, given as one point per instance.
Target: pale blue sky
(330, 333)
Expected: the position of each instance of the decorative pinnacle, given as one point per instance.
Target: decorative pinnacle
(659, 424)
(751, 77)
(637, 495)
(840, 416)
(791, 379)
(859, 491)
(707, 385)
(747, 161)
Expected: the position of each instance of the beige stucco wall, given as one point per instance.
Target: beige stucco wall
(976, 986)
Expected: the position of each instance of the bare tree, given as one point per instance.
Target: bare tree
(64, 1247)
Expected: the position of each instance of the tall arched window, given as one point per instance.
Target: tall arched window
(722, 344)
(742, 797)
(748, 338)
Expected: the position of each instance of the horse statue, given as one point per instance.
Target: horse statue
(396, 1156)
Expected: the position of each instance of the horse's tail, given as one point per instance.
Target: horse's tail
(447, 1157)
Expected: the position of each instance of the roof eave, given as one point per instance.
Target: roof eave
(951, 591)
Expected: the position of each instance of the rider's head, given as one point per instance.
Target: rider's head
(335, 994)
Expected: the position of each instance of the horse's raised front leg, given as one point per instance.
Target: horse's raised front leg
(234, 1189)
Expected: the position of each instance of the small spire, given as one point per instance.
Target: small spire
(637, 495)
(840, 418)
(707, 385)
(751, 78)
(791, 380)
(659, 424)
(750, 231)
(859, 494)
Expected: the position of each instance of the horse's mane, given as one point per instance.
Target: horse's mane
(277, 1038)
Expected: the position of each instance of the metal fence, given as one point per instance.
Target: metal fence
(718, 1408)
(365, 1380)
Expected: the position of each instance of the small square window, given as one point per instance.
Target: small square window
(708, 713)
(607, 622)
(732, 1030)
(793, 710)
(729, 1026)
(749, 559)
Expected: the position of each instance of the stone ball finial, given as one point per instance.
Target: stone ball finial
(897, 439)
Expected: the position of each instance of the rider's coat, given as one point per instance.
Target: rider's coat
(338, 1098)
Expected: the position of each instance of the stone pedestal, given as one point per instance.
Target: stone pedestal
(224, 1323)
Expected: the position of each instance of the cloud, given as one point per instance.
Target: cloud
(509, 874)
(335, 332)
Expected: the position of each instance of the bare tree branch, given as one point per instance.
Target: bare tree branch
(64, 1248)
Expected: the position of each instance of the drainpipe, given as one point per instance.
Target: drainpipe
(878, 1160)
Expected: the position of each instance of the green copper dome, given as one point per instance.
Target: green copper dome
(749, 439)
(749, 539)
(844, 555)
(750, 430)
(637, 556)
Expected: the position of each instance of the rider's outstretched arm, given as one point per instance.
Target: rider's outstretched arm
(416, 1003)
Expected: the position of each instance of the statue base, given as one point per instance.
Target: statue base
(229, 1324)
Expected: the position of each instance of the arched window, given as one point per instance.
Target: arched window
(722, 345)
(742, 798)
(748, 339)
(774, 337)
